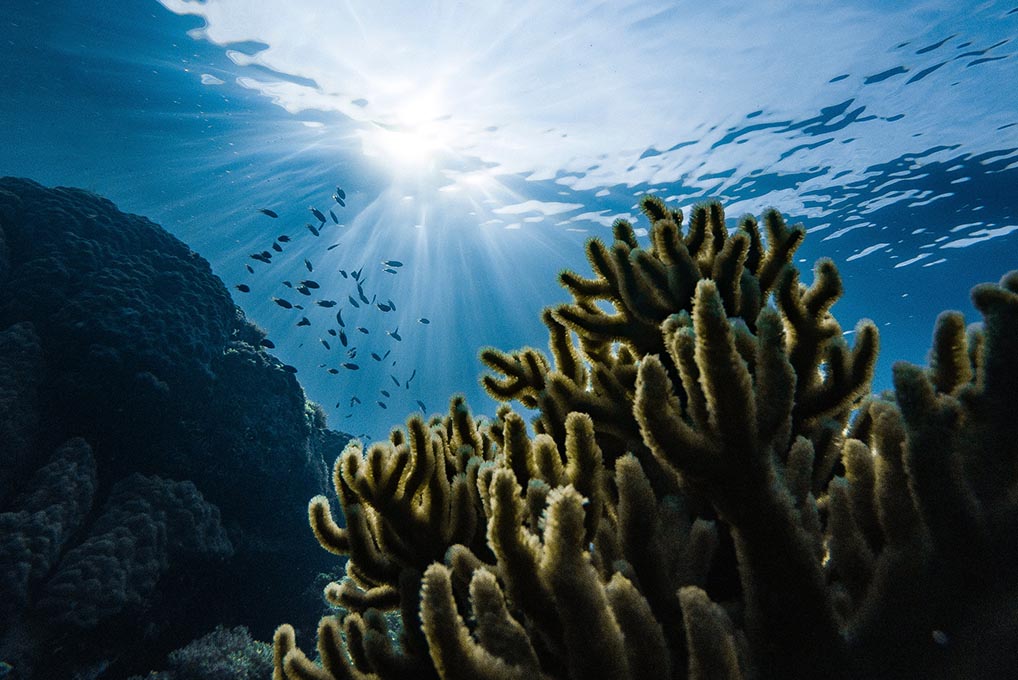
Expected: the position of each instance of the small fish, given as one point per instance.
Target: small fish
(243, 287)
(391, 304)
(341, 193)
(303, 290)
(270, 213)
(289, 369)
(342, 338)
(307, 263)
(342, 272)
(421, 404)
(353, 302)
(283, 238)
(332, 332)
(354, 400)
(424, 321)
(394, 334)
(335, 220)
(339, 317)
(300, 307)
(375, 357)
(311, 228)
(285, 304)
(317, 213)
(389, 270)
(265, 257)
(268, 344)
(287, 284)
(392, 263)
(352, 367)
(383, 307)
(411, 376)
(324, 343)
(385, 392)
(310, 284)
(387, 352)
(362, 296)
(352, 352)
(394, 380)
(362, 329)
(334, 371)
(250, 269)
(325, 303)
(334, 245)
(381, 404)
(278, 248)
(357, 274)
(304, 321)
(338, 199)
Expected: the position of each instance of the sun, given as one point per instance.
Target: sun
(415, 131)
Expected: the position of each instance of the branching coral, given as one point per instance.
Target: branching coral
(694, 500)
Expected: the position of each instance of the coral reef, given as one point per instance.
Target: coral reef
(708, 490)
(223, 654)
(143, 428)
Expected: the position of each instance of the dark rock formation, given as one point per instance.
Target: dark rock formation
(143, 432)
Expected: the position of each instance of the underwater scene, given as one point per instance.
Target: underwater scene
(379, 340)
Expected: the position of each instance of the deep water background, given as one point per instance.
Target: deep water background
(891, 134)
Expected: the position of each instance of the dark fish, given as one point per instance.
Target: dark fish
(381, 404)
(332, 332)
(387, 352)
(341, 193)
(270, 213)
(353, 302)
(265, 257)
(394, 380)
(352, 367)
(333, 371)
(283, 238)
(311, 284)
(250, 269)
(289, 369)
(303, 290)
(424, 321)
(352, 352)
(335, 219)
(412, 374)
(300, 307)
(278, 248)
(324, 343)
(325, 303)
(385, 392)
(342, 272)
(282, 303)
(362, 329)
(317, 213)
(388, 270)
(391, 304)
(339, 318)
(312, 228)
(338, 199)
(393, 263)
(307, 263)
(373, 298)
(375, 357)
(394, 334)
(354, 400)
(342, 338)
(383, 307)
(304, 321)
(287, 284)
(268, 344)
(243, 287)
(421, 404)
(334, 245)
(362, 296)
(357, 274)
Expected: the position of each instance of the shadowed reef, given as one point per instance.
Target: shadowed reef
(706, 488)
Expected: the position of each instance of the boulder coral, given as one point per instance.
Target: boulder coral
(707, 489)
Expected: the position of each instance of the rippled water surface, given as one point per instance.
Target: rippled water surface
(479, 148)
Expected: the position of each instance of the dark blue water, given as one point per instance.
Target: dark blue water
(481, 148)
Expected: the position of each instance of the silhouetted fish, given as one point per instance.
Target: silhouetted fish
(387, 352)
(250, 269)
(312, 229)
(270, 213)
(311, 284)
(342, 338)
(342, 272)
(362, 329)
(287, 284)
(307, 263)
(283, 238)
(384, 307)
(243, 287)
(265, 257)
(352, 352)
(289, 369)
(391, 304)
(324, 343)
(381, 404)
(389, 270)
(412, 374)
(353, 302)
(375, 357)
(354, 400)
(268, 344)
(421, 404)
(334, 245)
(300, 307)
(285, 304)
(332, 332)
(362, 296)
(303, 290)
(325, 303)
(304, 321)
(335, 219)
(423, 320)
(385, 392)
(394, 380)
(339, 200)
(339, 317)
(393, 263)
(352, 367)
(334, 371)
(317, 213)
(278, 248)
(394, 334)
(341, 193)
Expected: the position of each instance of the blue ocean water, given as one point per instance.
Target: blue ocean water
(481, 147)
